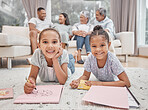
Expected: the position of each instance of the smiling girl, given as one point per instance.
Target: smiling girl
(102, 63)
(49, 61)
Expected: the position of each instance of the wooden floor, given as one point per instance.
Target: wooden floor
(138, 62)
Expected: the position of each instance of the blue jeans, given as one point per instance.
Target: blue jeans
(81, 41)
(71, 64)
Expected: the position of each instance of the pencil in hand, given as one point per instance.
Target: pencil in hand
(29, 82)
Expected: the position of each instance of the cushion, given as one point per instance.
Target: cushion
(116, 43)
(16, 30)
(14, 51)
(15, 40)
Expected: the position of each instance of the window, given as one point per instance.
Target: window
(142, 22)
(11, 13)
(146, 31)
(74, 7)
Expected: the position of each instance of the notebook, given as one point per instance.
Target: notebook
(6, 93)
(42, 94)
(107, 95)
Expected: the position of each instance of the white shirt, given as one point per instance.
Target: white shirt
(48, 73)
(83, 27)
(40, 25)
(106, 24)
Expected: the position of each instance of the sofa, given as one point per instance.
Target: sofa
(14, 42)
(123, 44)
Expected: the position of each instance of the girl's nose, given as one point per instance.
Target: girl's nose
(50, 45)
(98, 48)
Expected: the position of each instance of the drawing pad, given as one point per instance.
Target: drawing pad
(43, 94)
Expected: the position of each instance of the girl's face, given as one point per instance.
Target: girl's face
(49, 43)
(99, 47)
(62, 19)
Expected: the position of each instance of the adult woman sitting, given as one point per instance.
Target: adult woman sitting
(64, 29)
(82, 30)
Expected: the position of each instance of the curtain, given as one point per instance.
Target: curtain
(32, 5)
(123, 14)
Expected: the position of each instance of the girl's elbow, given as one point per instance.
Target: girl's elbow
(128, 84)
(62, 83)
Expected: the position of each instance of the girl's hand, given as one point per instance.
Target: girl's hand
(90, 83)
(59, 53)
(74, 84)
(29, 86)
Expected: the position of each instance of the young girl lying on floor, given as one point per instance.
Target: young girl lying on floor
(49, 61)
(102, 63)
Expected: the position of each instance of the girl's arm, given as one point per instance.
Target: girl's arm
(33, 73)
(123, 81)
(30, 84)
(61, 71)
(74, 84)
(85, 76)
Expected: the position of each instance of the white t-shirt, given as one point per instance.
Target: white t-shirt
(83, 27)
(48, 73)
(40, 25)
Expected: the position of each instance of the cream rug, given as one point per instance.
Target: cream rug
(15, 78)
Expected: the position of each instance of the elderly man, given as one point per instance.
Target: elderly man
(82, 31)
(36, 25)
(106, 24)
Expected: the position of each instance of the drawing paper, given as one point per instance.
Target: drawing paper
(42, 94)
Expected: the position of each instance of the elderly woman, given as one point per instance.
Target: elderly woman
(64, 28)
(82, 31)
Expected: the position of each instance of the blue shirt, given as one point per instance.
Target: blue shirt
(109, 72)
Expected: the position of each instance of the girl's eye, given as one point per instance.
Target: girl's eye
(102, 45)
(45, 42)
(93, 46)
(54, 42)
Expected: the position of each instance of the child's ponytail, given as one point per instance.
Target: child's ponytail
(98, 30)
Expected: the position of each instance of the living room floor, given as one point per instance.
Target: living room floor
(138, 62)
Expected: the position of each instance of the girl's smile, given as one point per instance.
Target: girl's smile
(50, 51)
(99, 47)
(49, 44)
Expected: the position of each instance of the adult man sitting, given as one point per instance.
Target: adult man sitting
(36, 25)
(106, 23)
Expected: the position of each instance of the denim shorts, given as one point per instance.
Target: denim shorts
(71, 64)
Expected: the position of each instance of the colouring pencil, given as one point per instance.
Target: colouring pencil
(29, 82)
